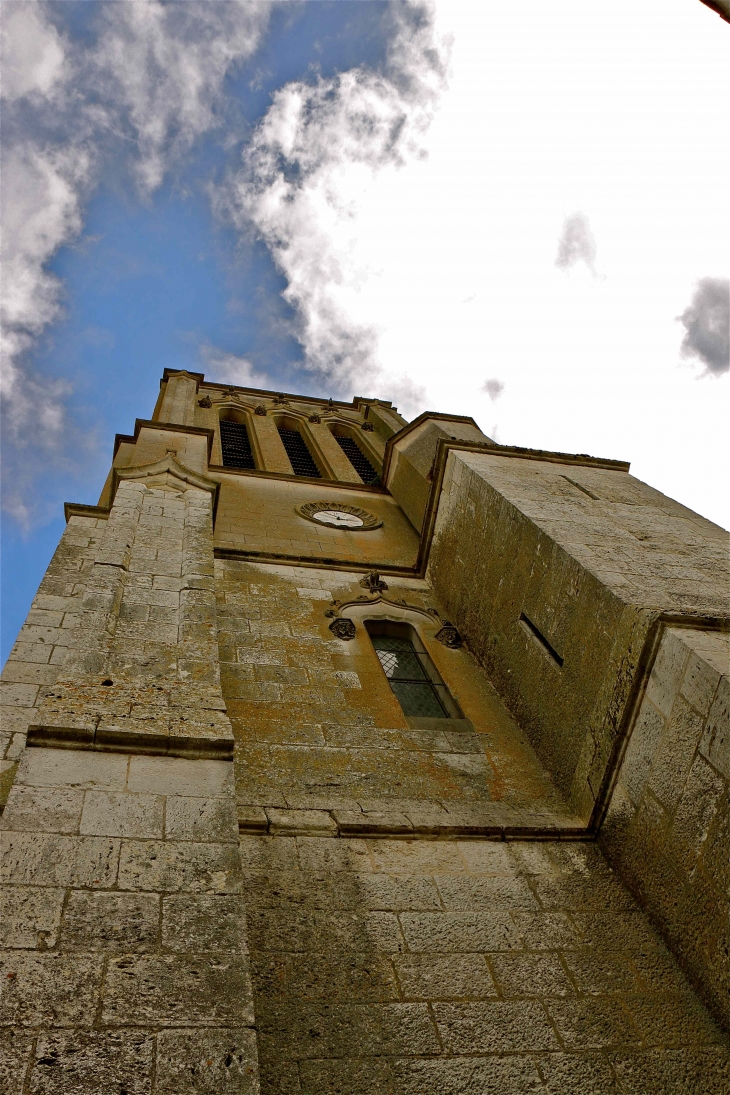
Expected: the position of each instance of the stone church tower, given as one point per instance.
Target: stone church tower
(347, 755)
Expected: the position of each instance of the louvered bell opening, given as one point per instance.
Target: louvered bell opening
(414, 690)
(358, 459)
(236, 445)
(299, 455)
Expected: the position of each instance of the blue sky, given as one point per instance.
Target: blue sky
(513, 214)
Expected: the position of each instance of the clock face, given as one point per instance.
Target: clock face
(340, 515)
(339, 518)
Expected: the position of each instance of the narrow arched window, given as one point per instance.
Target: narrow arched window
(236, 445)
(411, 674)
(357, 458)
(300, 457)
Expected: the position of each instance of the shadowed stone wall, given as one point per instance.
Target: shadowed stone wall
(125, 965)
(555, 574)
(668, 828)
(389, 967)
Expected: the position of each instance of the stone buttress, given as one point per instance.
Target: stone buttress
(126, 968)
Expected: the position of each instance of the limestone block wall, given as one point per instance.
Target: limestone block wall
(45, 639)
(259, 515)
(429, 967)
(143, 669)
(668, 828)
(124, 964)
(321, 740)
(412, 457)
(554, 573)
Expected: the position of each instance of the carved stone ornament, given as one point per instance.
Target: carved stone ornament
(367, 426)
(205, 401)
(281, 400)
(448, 635)
(340, 515)
(314, 417)
(260, 409)
(373, 582)
(343, 628)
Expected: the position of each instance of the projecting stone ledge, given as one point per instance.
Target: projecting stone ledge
(153, 720)
(491, 821)
(175, 734)
(135, 738)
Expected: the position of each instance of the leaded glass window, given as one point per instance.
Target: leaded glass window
(418, 694)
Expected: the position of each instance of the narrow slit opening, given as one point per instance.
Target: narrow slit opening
(538, 636)
(583, 490)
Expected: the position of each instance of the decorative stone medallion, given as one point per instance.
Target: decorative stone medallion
(448, 635)
(337, 515)
(343, 629)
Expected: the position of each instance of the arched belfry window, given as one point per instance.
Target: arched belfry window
(236, 444)
(357, 457)
(411, 674)
(300, 457)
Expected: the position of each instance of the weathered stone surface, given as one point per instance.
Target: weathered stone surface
(179, 865)
(88, 1062)
(668, 828)
(459, 932)
(587, 573)
(444, 977)
(113, 921)
(55, 810)
(455, 1076)
(171, 990)
(49, 989)
(200, 819)
(73, 768)
(200, 922)
(48, 859)
(30, 916)
(167, 776)
(16, 1051)
(534, 998)
(206, 1062)
(107, 813)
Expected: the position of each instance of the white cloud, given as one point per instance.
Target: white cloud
(149, 84)
(707, 325)
(576, 243)
(33, 51)
(231, 368)
(315, 156)
(440, 268)
(161, 68)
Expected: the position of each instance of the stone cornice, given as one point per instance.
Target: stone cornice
(171, 427)
(168, 465)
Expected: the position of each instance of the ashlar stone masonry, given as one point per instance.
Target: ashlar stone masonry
(236, 857)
